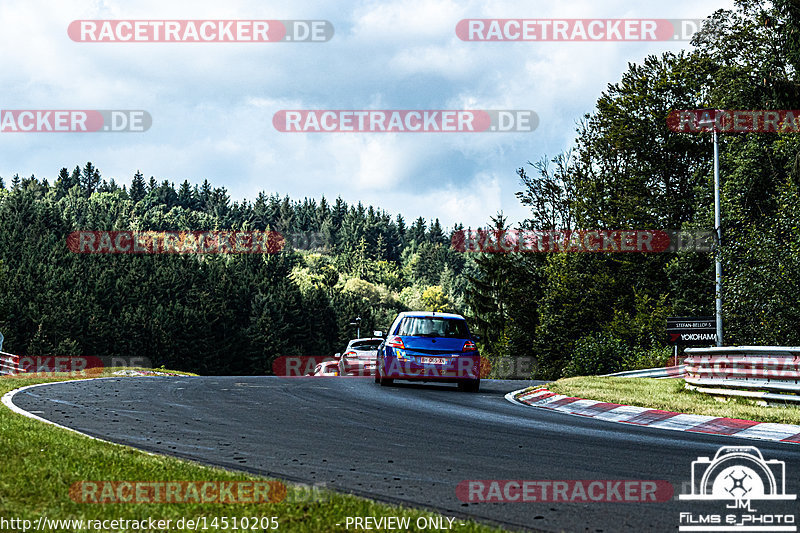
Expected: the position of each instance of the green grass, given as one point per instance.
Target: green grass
(40, 462)
(670, 395)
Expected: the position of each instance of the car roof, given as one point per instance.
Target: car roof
(428, 314)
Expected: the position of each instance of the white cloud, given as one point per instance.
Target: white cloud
(212, 104)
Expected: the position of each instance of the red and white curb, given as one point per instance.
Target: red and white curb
(656, 418)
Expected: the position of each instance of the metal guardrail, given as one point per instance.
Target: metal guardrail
(768, 373)
(9, 364)
(663, 372)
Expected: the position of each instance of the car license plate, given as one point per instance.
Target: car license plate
(434, 360)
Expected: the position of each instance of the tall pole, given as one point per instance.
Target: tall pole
(357, 322)
(718, 230)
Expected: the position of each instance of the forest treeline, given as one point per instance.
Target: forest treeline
(209, 313)
(582, 313)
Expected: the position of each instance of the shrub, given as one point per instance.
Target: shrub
(598, 354)
(653, 357)
(605, 354)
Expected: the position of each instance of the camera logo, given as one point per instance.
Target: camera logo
(738, 473)
(737, 476)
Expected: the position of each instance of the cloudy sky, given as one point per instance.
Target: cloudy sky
(212, 104)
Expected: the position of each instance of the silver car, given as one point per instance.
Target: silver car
(359, 357)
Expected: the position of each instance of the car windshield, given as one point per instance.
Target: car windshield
(433, 327)
(366, 345)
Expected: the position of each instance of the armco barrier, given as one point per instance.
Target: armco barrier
(9, 364)
(769, 373)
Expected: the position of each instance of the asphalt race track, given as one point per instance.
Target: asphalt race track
(409, 443)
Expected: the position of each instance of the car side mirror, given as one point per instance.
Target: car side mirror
(377, 333)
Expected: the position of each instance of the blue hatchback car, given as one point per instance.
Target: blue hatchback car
(426, 346)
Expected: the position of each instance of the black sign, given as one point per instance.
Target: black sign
(692, 330)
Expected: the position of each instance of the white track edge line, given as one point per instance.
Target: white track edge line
(510, 398)
(8, 401)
